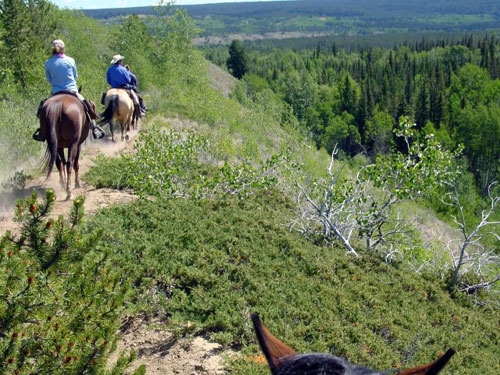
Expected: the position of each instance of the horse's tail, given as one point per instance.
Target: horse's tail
(110, 110)
(49, 117)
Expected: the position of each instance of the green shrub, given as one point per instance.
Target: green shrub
(18, 181)
(213, 262)
(172, 164)
(60, 298)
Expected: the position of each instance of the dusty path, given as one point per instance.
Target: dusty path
(94, 198)
(156, 348)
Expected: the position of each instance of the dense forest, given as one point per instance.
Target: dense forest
(354, 99)
(345, 17)
(344, 189)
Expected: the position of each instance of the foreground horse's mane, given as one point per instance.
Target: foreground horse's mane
(283, 360)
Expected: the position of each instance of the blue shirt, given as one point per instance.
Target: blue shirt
(118, 76)
(61, 73)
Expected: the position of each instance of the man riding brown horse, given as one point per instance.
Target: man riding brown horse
(61, 72)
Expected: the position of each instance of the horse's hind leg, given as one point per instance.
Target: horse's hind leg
(76, 168)
(69, 193)
(127, 130)
(60, 165)
(70, 166)
(111, 128)
(122, 127)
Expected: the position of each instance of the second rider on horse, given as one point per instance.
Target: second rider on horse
(62, 74)
(119, 77)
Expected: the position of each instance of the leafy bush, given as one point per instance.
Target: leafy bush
(18, 181)
(172, 164)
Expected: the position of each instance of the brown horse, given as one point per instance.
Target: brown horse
(283, 360)
(118, 106)
(65, 124)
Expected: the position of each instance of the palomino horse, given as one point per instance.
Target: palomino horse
(283, 360)
(118, 106)
(65, 124)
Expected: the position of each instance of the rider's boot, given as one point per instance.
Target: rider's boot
(97, 132)
(143, 108)
(38, 136)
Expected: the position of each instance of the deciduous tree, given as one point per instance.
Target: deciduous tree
(28, 26)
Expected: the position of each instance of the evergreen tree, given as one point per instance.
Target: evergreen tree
(422, 104)
(237, 60)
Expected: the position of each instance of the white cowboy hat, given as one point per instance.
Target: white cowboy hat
(117, 58)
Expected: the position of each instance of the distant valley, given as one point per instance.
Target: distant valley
(219, 23)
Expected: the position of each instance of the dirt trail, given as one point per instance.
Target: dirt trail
(94, 198)
(156, 348)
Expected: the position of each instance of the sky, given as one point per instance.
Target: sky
(99, 4)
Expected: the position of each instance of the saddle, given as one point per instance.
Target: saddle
(127, 88)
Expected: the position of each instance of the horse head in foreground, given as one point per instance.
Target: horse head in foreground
(65, 123)
(283, 360)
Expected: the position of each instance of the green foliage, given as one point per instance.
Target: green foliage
(379, 133)
(60, 298)
(170, 165)
(336, 208)
(386, 20)
(354, 99)
(18, 181)
(25, 28)
(65, 283)
(213, 269)
(422, 168)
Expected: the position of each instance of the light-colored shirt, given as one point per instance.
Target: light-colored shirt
(62, 74)
(118, 76)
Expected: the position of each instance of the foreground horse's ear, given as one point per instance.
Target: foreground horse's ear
(276, 352)
(432, 368)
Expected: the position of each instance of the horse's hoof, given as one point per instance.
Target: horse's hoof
(127, 137)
